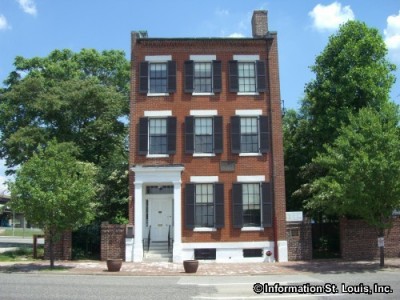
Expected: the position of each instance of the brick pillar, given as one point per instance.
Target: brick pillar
(62, 247)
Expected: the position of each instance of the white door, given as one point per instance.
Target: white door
(160, 218)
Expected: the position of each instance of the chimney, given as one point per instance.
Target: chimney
(259, 23)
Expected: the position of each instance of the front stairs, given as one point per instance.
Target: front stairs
(158, 252)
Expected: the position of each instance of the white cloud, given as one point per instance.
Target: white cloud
(3, 186)
(329, 17)
(28, 6)
(236, 35)
(3, 23)
(392, 36)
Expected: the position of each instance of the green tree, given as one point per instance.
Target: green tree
(352, 72)
(363, 170)
(55, 191)
(80, 98)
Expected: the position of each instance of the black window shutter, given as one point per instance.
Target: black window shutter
(189, 205)
(237, 205)
(143, 135)
(171, 135)
(261, 80)
(143, 77)
(218, 134)
(189, 134)
(219, 205)
(235, 134)
(267, 209)
(264, 134)
(171, 76)
(189, 73)
(233, 76)
(217, 79)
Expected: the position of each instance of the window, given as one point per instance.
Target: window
(203, 134)
(205, 254)
(204, 205)
(247, 76)
(157, 136)
(252, 205)
(252, 252)
(203, 76)
(156, 77)
(249, 134)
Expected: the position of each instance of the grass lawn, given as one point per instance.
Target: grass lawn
(20, 232)
(20, 254)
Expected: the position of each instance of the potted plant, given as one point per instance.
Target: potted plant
(191, 265)
(114, 264)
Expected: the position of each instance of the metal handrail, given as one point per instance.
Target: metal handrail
(169, 238)
(148, 239)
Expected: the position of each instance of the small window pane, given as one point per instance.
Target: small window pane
(204, 210)
(249, 135)
(247, 77)
(203, 141)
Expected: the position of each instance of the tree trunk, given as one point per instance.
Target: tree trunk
(51, 249)
(382, 248)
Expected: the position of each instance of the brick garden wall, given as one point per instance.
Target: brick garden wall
(359, 240)
(299, 240)
(62, 248)
(112, 241)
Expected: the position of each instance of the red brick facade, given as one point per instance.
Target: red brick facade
(226, 103)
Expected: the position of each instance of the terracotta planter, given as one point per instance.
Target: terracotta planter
(114, 265)
(190, 266)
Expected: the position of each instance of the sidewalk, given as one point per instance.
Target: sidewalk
(205, 268)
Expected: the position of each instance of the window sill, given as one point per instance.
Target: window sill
(252, 229)
(248, 93)
(156, 155)
(203, 154)
(250, 154)
(203, 94)
(157, 94)
(204, 229)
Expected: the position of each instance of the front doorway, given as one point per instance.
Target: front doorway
(160, 218)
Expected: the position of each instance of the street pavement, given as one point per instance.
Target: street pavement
(205, 268)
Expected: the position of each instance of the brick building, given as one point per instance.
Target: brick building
(206, 153)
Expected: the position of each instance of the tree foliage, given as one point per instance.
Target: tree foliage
(352, 72)
(79, 98)
(55, 191)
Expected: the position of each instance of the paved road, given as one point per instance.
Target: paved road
(57, 286)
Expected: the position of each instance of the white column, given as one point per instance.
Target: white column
(138, 244)
(177, 247)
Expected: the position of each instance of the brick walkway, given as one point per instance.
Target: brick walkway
(205, 268)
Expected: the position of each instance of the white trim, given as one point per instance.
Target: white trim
(250, 154)
(158, 58)
(204, 179)
(241, 57)
(248, 112)
(256, 178)
(203, 57)
(204, 229)
(203, 154)
(248, 93)
(156, 155)
(202, 94)
(203, 112)
(157, 94)
(252, 229)
(283, 251)
(227, 245)
(158, 113)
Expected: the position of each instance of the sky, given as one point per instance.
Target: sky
(31, 28)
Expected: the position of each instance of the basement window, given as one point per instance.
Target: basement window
(252, 252)
(205, 254)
